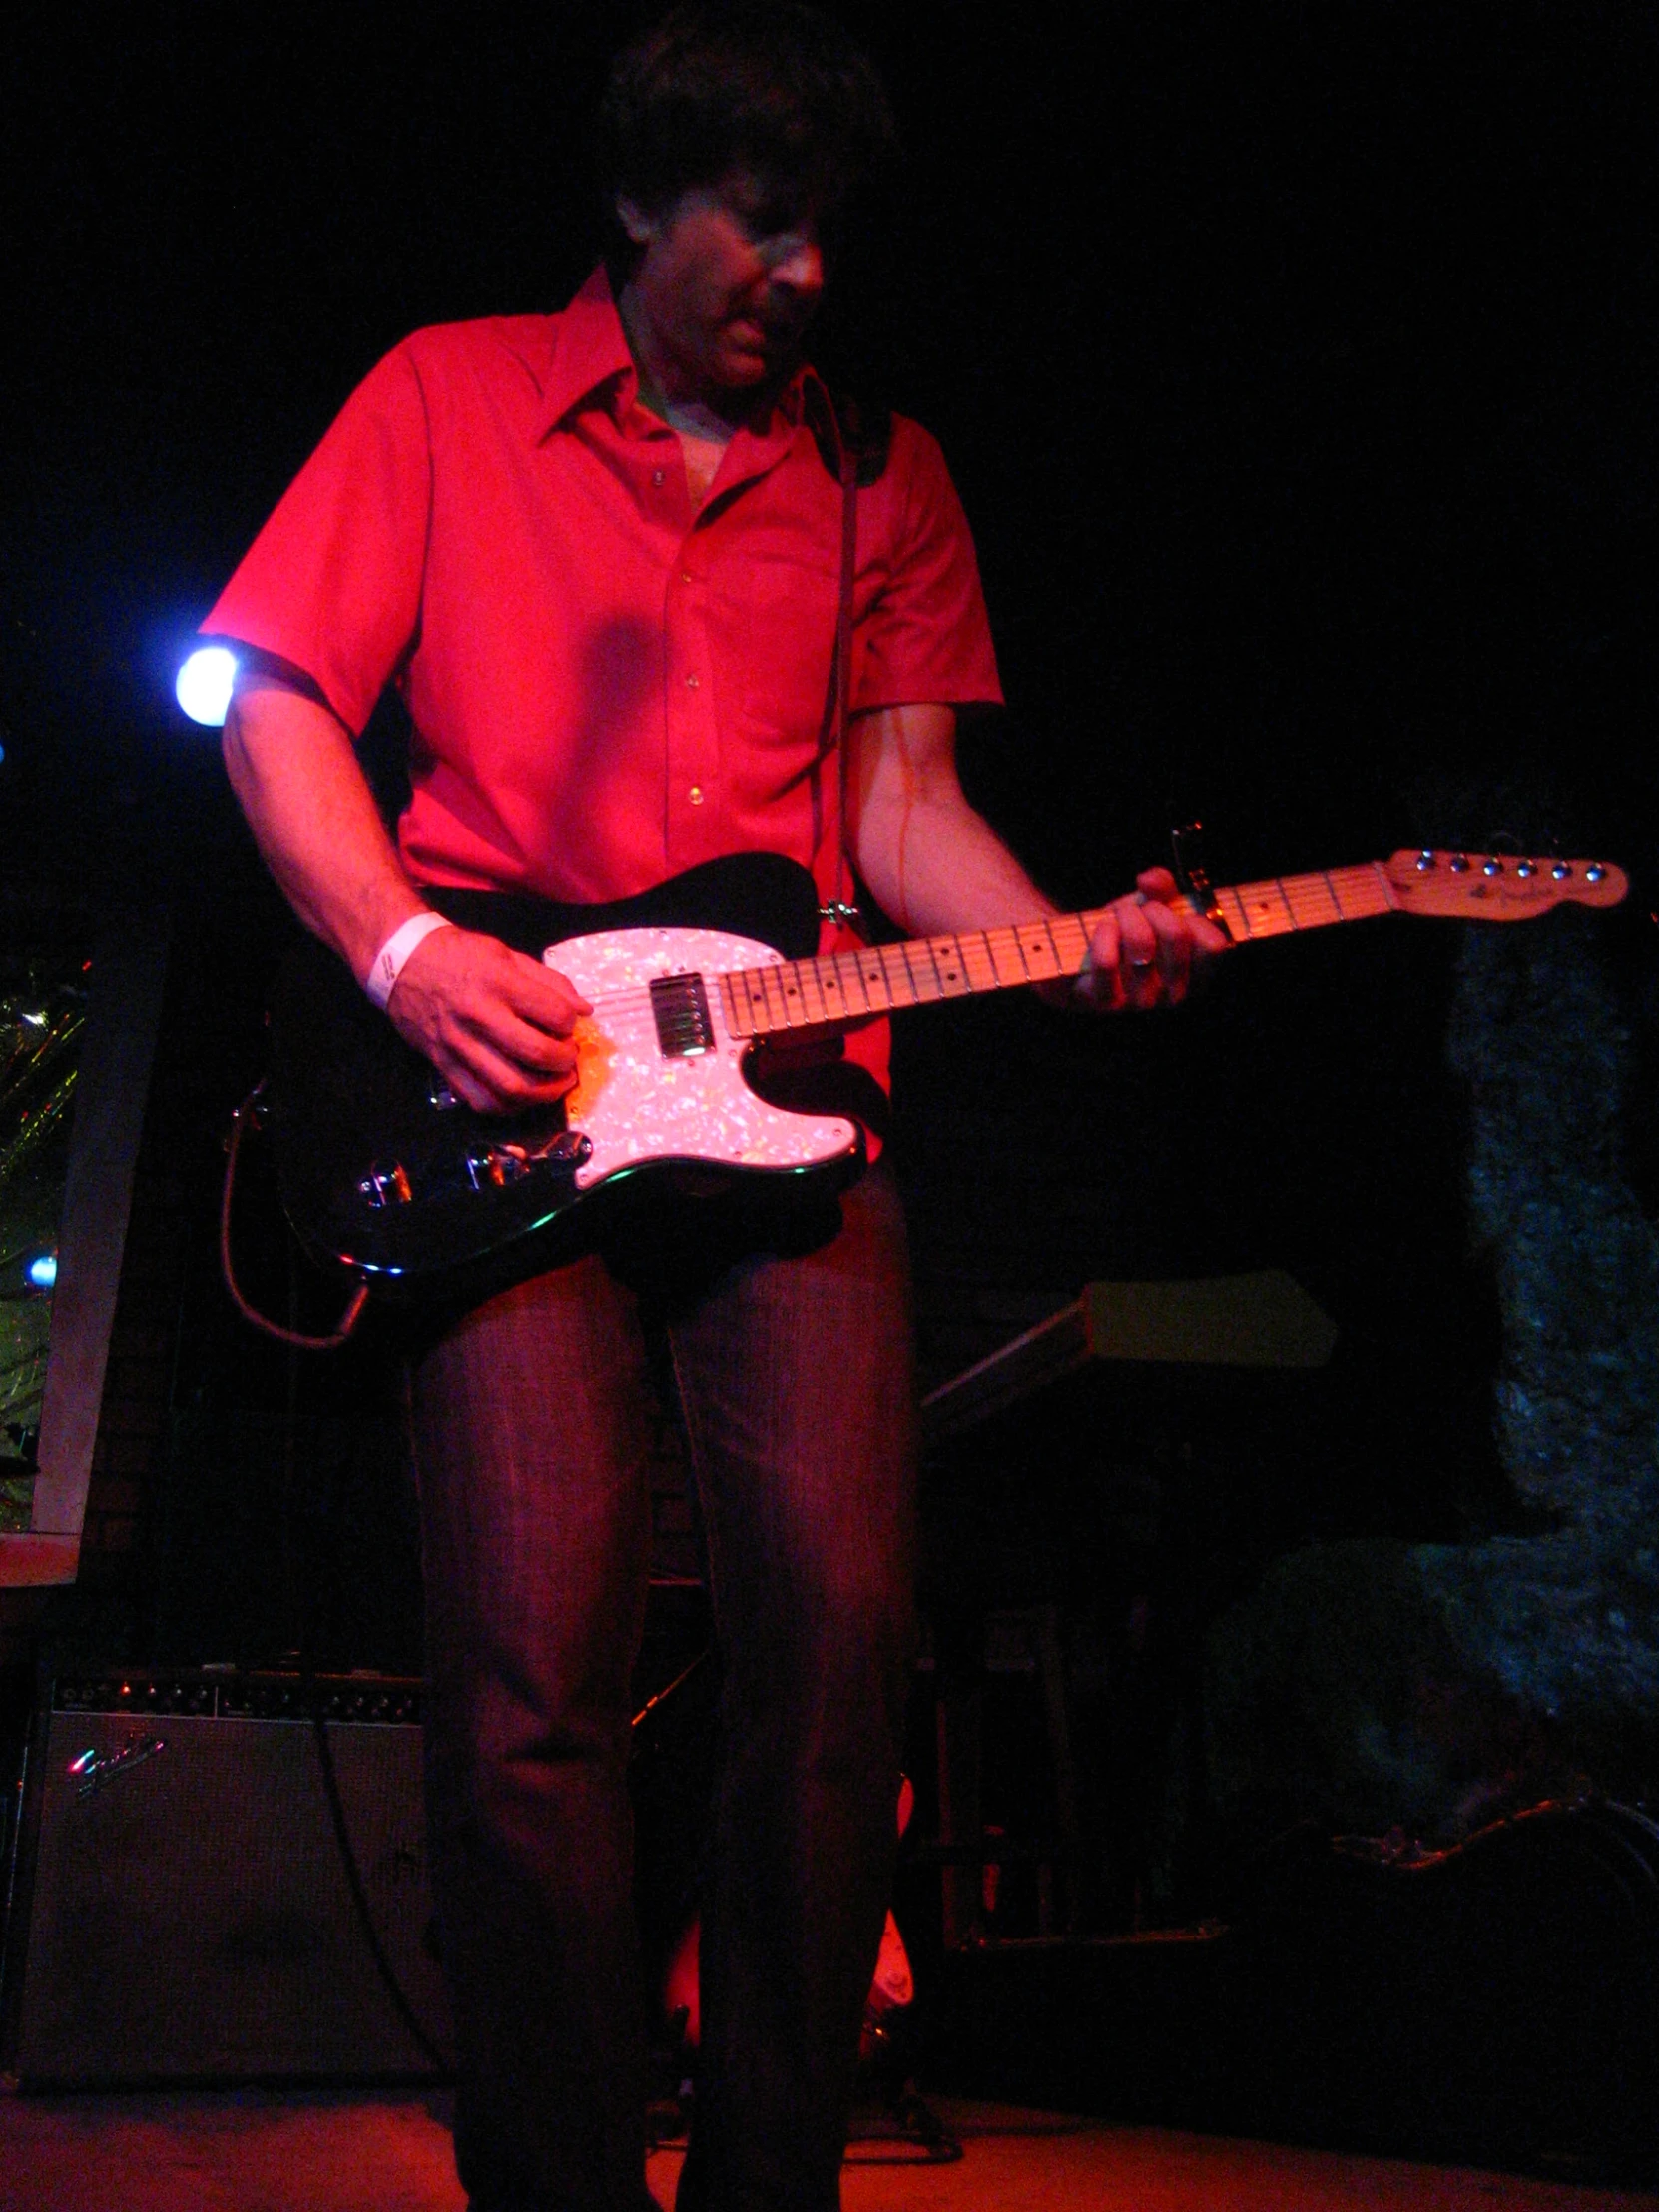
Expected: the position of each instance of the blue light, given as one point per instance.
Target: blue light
(43, 1273)
(203, 686)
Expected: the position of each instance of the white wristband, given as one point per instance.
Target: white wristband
(394, 955)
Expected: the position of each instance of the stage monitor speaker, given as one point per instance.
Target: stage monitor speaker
(180, 1908)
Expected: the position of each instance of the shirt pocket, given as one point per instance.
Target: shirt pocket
(782, 637)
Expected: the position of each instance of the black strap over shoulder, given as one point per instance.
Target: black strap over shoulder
(841, 423)
(854, 442)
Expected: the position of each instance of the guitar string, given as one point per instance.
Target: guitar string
(630, 995)
(924, 991)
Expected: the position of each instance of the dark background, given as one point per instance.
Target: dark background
(1295, 364)
(1296, 367)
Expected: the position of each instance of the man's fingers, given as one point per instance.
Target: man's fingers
(1143, 950)
(1158, 883)
(1139, 969)
(496, 1024)
(1172, 951)
(542, 996)
(533, 1056)
(492, 1083)
(1101, 980)
(1146, 947)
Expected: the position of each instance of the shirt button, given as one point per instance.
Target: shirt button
(694, 794)
(691, 682)
(685, 576)
(656, 475)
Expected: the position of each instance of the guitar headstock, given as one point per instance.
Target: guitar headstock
(1498, 886)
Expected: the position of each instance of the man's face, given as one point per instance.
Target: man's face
(726, 287)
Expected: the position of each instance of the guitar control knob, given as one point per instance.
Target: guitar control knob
(1595, 872)
(499, 1166)
(1459, 864)
(1525, 870)
(1425, 863)
(387, 1185)
(1492, 868)
(1560, 871)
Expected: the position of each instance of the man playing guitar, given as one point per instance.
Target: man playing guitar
(598, 553)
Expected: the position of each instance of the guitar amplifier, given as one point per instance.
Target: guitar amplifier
(179, 1905)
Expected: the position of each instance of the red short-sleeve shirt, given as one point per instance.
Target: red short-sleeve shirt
(605, 687)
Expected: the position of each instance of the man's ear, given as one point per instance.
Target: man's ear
(640, 226)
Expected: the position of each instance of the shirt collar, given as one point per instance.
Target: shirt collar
(590, 349)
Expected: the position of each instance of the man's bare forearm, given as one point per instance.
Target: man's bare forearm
(930, 862)
(295, 772)
(934, 865)
(944, 868)
(496, 1023)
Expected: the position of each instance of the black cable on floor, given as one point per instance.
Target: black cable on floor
(360, 1898)
(383, 1966)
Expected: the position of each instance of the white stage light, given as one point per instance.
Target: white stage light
(204, 684)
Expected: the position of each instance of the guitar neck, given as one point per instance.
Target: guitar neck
(879, 979)
(840, 987)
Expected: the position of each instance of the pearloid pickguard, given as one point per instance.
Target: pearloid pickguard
(634, 1104)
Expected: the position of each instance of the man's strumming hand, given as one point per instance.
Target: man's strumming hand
(496, 1024)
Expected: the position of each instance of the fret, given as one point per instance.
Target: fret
(852, 985)
(1038, 949)
(949, 967)
(1006, 958)
(896, 965)
(736, 1006)
(778, 1012)
(1070, 940)
(919, 955)
(980, 961)
(1230, 907)
(747, 1002)
(829, 973)
(1310, 901)
(789, 982)
(811, 996)
(873, 971)
(1264, 909)
(1362, 892)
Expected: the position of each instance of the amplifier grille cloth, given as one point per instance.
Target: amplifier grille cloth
(191, 1917)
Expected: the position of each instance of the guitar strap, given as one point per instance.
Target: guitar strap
(839, 444)
(845, 904)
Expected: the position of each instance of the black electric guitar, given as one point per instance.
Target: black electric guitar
(382, 1170)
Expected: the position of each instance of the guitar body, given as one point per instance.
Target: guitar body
(383, 1170)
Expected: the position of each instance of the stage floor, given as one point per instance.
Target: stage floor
(254, 2151)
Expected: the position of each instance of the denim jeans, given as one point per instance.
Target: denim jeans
(528, 1418)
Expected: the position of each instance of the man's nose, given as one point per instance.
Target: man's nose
(798, 262)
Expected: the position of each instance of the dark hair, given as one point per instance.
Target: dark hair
(776, 90)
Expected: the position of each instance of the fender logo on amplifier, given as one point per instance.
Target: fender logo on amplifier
(94, 1771)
